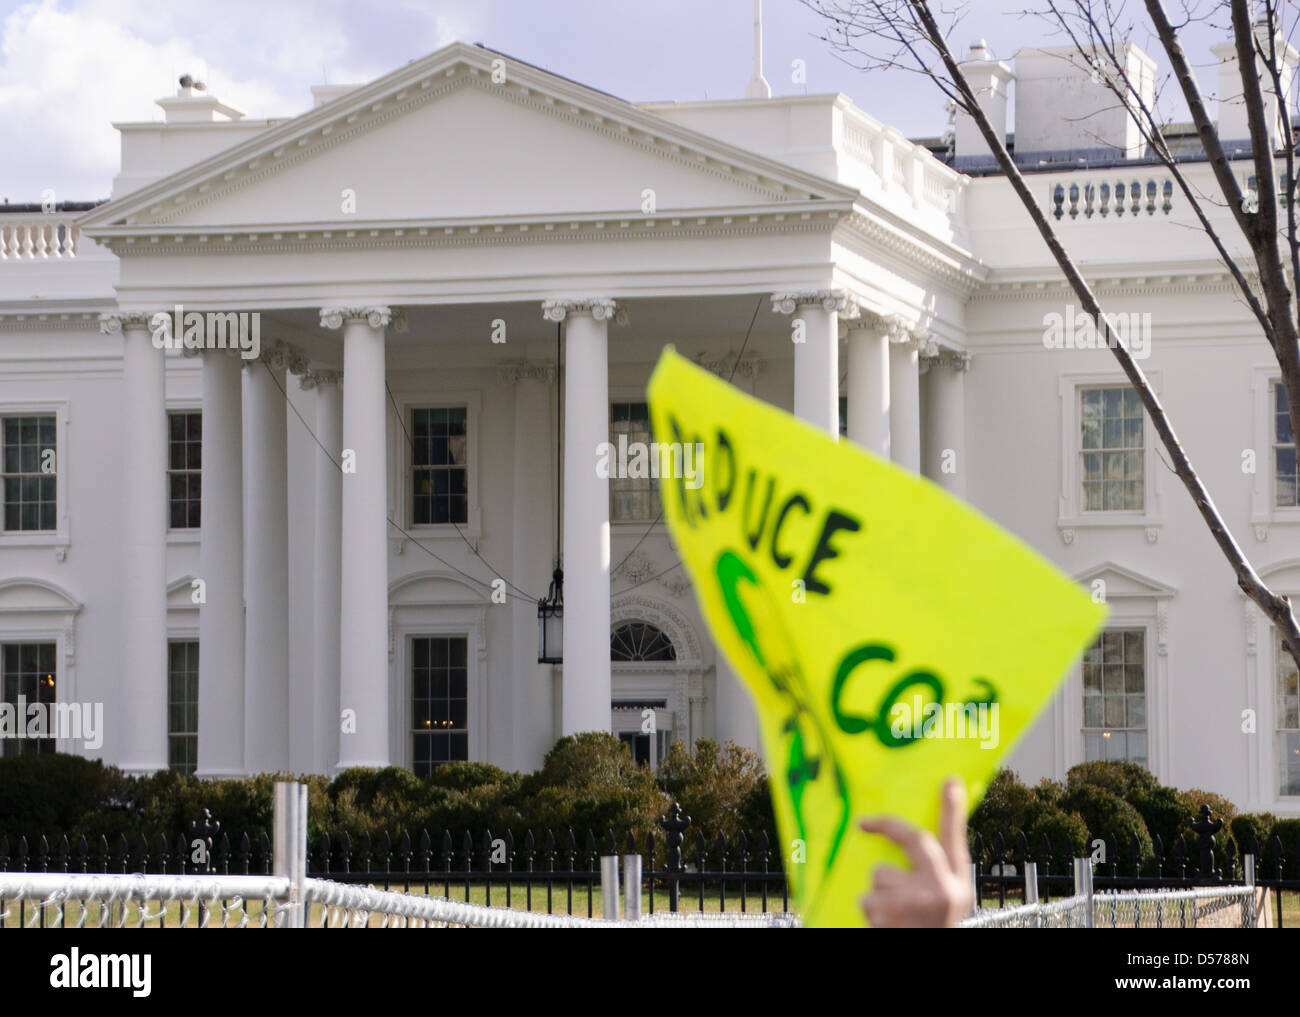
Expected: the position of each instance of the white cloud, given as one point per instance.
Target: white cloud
(69, 70)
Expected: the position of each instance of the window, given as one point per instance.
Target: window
(30, 473)
(1112, 450)
(184, 469)
(183, 706)
(1286, 492)
(647, 742)
(440, 466)
(1114, 697)
(439, 702)
(631, 499)
(28, 677)
(633, 642)
(1288, 721)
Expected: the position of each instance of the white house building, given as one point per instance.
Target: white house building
(330, 554)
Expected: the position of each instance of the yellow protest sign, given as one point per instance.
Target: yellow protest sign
(890, 635)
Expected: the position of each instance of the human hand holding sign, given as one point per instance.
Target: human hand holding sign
(936, 892)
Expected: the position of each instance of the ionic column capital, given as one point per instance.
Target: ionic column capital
(837, 301)
(113, 322)
(280, 356)
(729, 367)
(313, 378)
(514, 371)
(943, 356)
(600, 308)
(374, 315)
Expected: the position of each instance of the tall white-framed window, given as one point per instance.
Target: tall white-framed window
(183, 705)
(435, 463)
(34, 464)
(30, 472)
(1286, 490)
(439, 701)
(1111, 449)
(1115, 697)
(1108, 462)
(1286, 720)
(631, 499)
(1271, 456)
(28, 675)
(184, 469)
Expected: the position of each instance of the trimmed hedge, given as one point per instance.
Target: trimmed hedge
(587, 781)
(1125, 801)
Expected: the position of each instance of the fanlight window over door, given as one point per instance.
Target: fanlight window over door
(636, 642)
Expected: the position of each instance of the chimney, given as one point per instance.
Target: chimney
(988, 79)
(1065, 112)
(193, 105)
(1234, 130)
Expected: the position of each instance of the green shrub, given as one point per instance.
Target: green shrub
(1065, 831)
(1008, 808)
(42, 795)
(1106, 815)
(1120, 779)
(587, 760)
(1164, 812)
(715, 786)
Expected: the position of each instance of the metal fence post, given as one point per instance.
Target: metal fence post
(974, 887)
(632, 887)
(1031, 882)
(1248, 874)
(609, 886)
(1083, 888)
(289, 857)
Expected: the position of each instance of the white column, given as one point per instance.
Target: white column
(868, 383)
(734, 718)
(266, 569)
(327, 591)
(945, 420)
(585, 677)
(905, 403)
(533, 555)
(363, 640)
(142, 702)
(221, 567)
(815, 333)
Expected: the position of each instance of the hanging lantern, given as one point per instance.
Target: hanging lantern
(550, 622)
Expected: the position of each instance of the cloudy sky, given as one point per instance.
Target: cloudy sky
(70, 68)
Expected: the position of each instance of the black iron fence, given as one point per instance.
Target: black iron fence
(557, 874)
(682, 868)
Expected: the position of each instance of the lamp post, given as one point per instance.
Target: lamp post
(550, 609)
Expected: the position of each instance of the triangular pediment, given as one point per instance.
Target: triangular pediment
(465, 133)
(1124, 582)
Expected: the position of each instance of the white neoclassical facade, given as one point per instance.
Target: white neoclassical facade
(459, 277)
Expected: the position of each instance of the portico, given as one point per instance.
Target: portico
(384, 611)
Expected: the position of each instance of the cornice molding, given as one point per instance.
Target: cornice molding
(1157, 284)
(914, 252)
(189, 241)
(26, 322)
